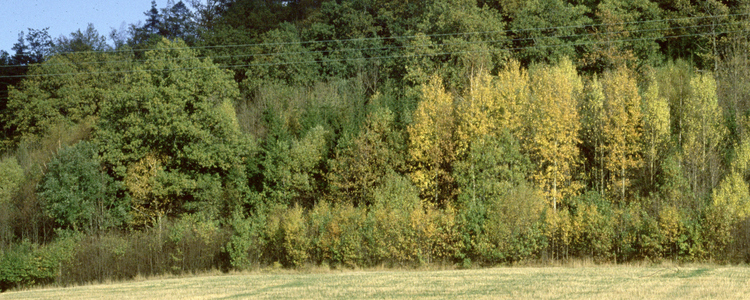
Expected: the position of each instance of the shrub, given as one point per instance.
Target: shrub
(77, 194)
(513, 226)
(27, 264)
(296, 241)
(593, 230)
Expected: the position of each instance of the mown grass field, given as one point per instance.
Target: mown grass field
(583, 282)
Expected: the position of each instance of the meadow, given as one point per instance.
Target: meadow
(666, 281)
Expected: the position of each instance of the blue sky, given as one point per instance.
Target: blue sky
(66, 16)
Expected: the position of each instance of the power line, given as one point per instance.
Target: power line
(382, 57)
(463, 43)
(417, 35)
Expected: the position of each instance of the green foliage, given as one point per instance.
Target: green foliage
(539, 24)
(178, 109)
(11, 175)
(593, 227)
(27, 264)
(292, 168)
(389, 236)
(77, 194)
(499, 212)
(66, 88)
(360, 168)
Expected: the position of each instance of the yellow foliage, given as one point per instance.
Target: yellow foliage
(553, 124)
(703, 132)
(733, 196)
(669, 224)
(140, 181)
(491, 105)
(431, 146)
(622, 128)
(656, 120)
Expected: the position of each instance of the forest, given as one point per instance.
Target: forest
(244, 134)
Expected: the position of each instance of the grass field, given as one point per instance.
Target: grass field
(586, 282)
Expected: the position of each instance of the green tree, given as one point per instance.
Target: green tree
(179, 108)
(90, 40)
(65, 89)
(77, 193)
(292, 173)
(542, 28)
(627, 35)
(357, 170)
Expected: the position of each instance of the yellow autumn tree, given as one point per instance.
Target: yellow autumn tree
(491, 105)
(477, 113)
(140, 181)
(552, 128)
(702, 134)
(431, 145)
(622, 128)
(656, 120)
(592, 118)
(512, 84)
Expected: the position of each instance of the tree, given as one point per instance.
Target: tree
(552, 126)
(497, 207)
(704, 133)
(292, 172)
(361, 167)
(656, 121)
(627, 34)
(622, 128)
(77, 194)
(32, 48)
(90, 40)
(177, 108)
(65, 89)
(592, 137)
(542, 29)
(177, 21)
(432, 143)
(153, 19)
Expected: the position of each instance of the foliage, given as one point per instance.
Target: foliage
(360, 168)
(28, 264)
(432, 143)
(177, 108)
(552, 125)
(622, 129)
(77, 194)
(66, 88)
(11, 175)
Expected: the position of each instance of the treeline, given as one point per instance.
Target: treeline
(238, 134)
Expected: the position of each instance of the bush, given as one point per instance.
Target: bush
(338, 237)
(189, 244)
(27, 264)
(296, 240)
(77, 194)
(593, 230)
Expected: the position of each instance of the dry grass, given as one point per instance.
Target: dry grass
(574, 281)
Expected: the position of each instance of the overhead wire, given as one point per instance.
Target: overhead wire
(411, 36)
(378, 57)
(402, 46)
